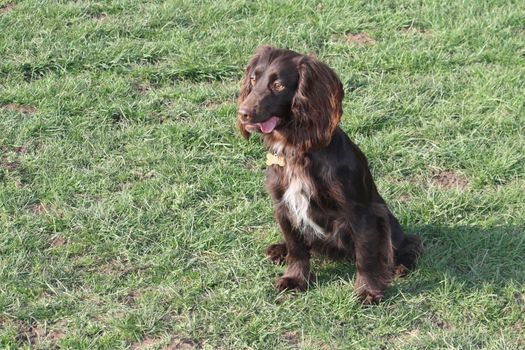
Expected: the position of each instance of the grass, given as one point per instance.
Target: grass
(132, 215)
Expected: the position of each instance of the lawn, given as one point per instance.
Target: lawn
(134, 216)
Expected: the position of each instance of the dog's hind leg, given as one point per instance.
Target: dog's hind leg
(408, 252)
(374, 253)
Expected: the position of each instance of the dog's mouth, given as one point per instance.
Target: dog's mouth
(264, 127)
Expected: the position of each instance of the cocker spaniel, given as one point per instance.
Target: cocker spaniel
(324, 196)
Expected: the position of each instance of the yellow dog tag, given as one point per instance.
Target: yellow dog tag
(272, 159)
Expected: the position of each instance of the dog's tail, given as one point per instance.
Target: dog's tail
(408, 252)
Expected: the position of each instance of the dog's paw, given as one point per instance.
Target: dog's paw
(369, 295)
(291, 283)
(400, 271)
(369, 298)
(276, 253)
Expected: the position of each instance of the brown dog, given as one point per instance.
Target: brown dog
(324, 195)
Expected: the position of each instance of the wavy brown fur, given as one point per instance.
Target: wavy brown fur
(325, 198)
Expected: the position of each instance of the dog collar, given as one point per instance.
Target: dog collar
(273, 159)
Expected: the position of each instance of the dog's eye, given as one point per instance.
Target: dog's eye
(278, 86)
(253, 80)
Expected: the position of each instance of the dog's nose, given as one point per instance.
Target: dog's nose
(244, 114)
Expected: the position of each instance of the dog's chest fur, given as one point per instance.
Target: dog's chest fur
(297, 194)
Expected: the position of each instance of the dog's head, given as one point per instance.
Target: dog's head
(289, 95)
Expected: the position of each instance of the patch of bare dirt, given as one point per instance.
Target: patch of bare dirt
(180, 343)
(24, 109)
(361, 39)
(30, 334)
(449, 179)
(11, 166)
(143, 88)
(292, 338)
(34, 333)
(7, 7)
(114, 267)
(20, 150)
(119, 267)
(17, 150)
(96, 14)
(437, 321)
(165, 118)
(132, 297)
(56, 335)
(58, 242)
(146, 343)
(39, 209)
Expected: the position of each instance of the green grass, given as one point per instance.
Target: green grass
(132, 215)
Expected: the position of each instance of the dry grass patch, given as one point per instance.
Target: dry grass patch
(361, 39)
(7, 7)
(39, 209)
(181, 343)
(24, 109)
(450, 179)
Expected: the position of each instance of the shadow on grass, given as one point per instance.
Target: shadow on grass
(470, 255)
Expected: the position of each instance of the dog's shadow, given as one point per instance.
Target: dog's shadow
(470, 255)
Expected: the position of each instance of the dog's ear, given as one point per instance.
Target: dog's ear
(317, 104)
(246, 86)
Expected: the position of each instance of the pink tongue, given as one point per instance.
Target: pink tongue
(268, 125)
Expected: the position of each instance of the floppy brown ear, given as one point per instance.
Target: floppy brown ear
(317, 104)
(246, 87)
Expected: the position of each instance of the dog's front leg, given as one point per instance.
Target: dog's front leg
(297, 273)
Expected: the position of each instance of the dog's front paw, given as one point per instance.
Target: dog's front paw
(370, 291)
(291, 283)
(276, 253)
(369, 298)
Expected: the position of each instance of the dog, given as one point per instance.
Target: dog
(324, 196)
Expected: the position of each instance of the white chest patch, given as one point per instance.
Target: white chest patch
(297, 199)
